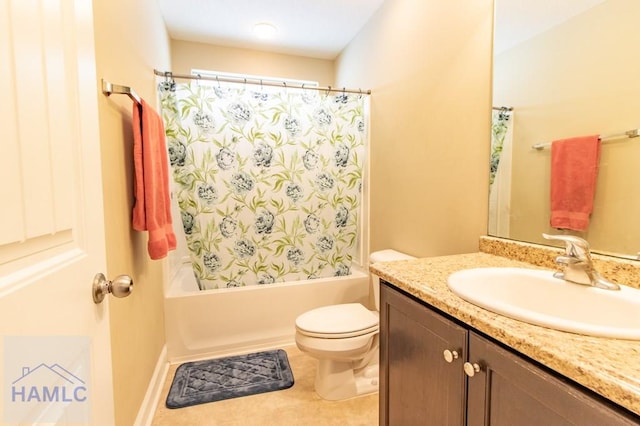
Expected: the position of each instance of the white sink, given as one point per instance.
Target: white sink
(536, 297)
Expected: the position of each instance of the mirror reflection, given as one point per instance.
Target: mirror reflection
(564, 73)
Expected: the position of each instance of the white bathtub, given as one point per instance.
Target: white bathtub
(202, 324)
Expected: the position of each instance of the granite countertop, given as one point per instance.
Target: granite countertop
(610, 367)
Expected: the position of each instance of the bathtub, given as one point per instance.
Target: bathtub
(210, 323)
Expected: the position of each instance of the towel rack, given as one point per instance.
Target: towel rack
(633, 133)
(109, 88)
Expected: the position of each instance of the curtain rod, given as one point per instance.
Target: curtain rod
(502, 108)
(170, 75)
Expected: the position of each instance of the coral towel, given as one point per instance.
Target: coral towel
(574, 169)
(152, 208)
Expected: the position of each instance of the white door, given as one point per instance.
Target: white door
(55, 354)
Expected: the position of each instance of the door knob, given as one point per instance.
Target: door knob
(121, 286)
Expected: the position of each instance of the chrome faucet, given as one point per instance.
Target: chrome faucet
(577, 262)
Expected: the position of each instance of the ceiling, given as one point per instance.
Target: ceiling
(314, 28)
(322, 28)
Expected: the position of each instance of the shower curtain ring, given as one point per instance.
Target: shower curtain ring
(168, 79)
(218, 80)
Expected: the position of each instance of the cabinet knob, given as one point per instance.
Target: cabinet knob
(471, 369)
(449, 356)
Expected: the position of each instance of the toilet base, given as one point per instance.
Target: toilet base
(338, 380)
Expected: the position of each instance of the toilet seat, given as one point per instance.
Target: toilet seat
(338, 321)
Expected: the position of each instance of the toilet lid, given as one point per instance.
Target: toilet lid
(338, 321)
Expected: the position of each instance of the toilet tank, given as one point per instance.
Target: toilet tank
(387, 255)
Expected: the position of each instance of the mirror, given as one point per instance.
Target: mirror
(567, 69)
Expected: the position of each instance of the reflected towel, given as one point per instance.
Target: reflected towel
(152, 208)
(574, 169)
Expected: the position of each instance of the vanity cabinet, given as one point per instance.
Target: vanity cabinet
(437, 371)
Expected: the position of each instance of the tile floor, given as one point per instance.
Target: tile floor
(298, 405)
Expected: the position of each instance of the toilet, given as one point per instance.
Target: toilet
(344, 340)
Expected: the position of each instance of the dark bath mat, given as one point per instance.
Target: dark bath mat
(224, 378)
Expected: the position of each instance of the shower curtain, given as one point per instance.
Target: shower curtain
(268, 180)
(500, 172)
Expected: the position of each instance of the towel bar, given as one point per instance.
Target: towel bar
(109, 88)
(633, 133)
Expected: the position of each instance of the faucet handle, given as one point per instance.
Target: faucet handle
(574, 246)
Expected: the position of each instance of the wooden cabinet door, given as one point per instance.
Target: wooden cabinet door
(509, 390)
(417, 385)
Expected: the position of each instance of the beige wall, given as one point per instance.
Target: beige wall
(428, 64)
(187, 55)
(130, 42)
(579, 78)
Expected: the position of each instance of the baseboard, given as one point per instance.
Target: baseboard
(154, 390)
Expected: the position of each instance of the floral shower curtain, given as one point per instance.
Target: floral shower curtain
(500, 172)
(268, 180)
(501, 134)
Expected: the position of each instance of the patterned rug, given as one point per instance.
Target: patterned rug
(231, 377)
